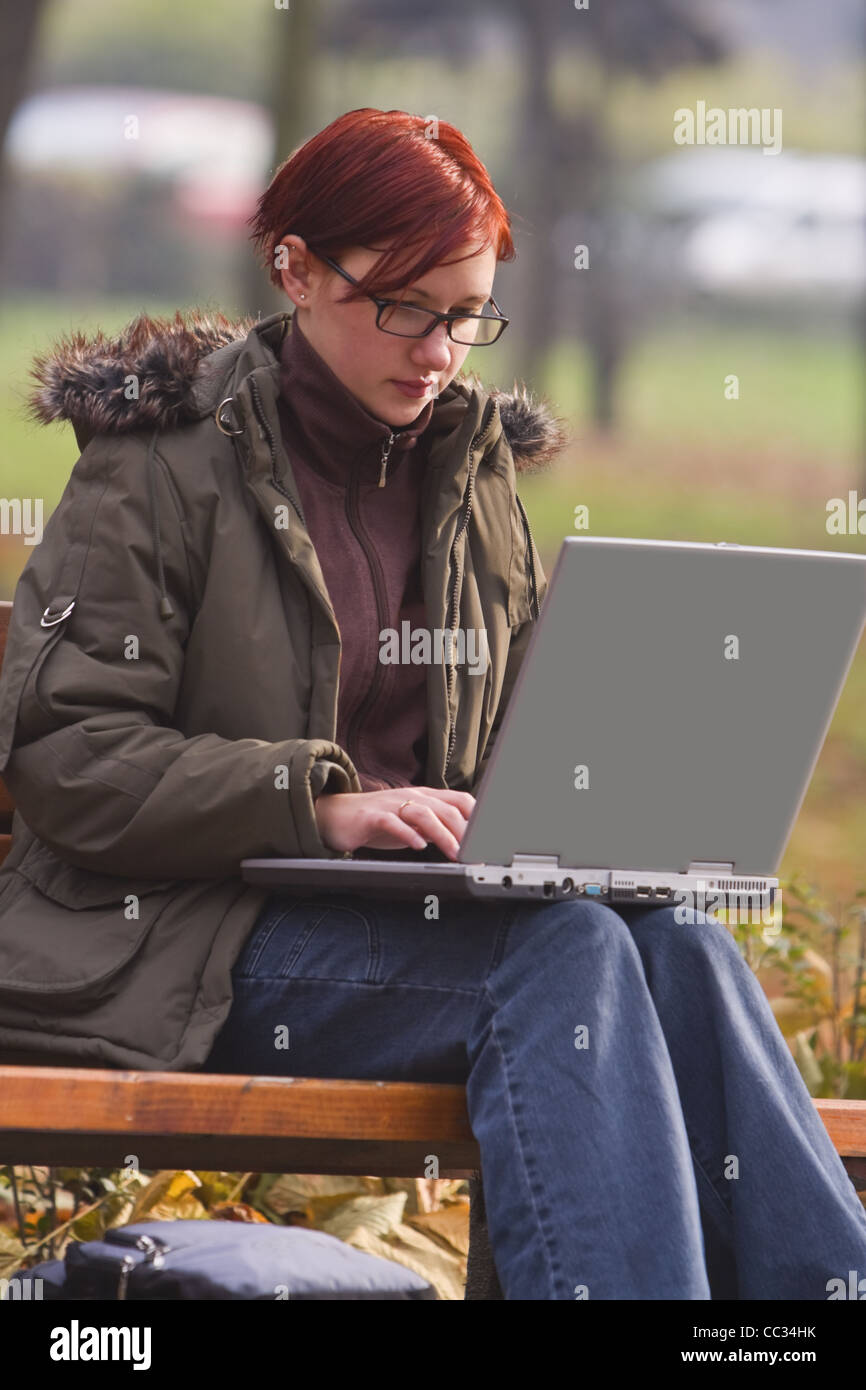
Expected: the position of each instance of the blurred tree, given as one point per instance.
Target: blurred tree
(565, 162)
(293, 47)
(19, 27)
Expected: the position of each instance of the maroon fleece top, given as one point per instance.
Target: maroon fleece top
(368, 541)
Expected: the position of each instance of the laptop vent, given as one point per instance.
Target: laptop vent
(622, 890)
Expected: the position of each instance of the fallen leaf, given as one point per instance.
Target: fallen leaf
(379, 1215)
(236, 1211)
(450, 1226)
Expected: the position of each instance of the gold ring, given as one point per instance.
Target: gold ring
(405, 803)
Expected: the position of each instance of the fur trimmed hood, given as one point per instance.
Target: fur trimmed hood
(84, 379)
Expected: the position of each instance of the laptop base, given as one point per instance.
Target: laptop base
(529, 877)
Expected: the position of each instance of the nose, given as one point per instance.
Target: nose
(433, 353)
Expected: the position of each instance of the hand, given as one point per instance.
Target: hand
(351, 820)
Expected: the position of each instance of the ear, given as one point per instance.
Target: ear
(293, 264)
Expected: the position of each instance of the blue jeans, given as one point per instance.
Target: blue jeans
(643, 1128)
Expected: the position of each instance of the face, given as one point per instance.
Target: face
(368, 361)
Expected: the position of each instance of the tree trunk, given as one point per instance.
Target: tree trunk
(539, 188)
(290, 101)
(19, 24)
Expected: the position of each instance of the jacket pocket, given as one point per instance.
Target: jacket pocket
(65, 932)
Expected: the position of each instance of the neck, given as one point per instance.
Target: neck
(336, 435)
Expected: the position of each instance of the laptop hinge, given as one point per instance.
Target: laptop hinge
(541, 861)
(709, 866)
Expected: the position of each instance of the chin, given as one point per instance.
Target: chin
(400, 414)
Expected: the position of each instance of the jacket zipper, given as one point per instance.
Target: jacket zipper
(369, 700)
(263, 422)
(454, 601)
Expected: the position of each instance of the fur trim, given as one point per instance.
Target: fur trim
(535, 433)
(85, 380)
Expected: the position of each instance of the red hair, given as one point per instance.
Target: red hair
(380, 176)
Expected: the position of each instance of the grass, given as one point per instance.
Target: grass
(799, 396)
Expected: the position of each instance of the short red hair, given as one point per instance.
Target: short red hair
(380, 176)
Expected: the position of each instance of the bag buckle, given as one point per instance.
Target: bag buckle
(154, 1254)
(45, 621)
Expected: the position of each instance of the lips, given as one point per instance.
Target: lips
(415, 389)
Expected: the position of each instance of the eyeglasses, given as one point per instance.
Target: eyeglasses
(411, 321)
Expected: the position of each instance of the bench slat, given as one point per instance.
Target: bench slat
(83, 1117)
(392, 1158)
(90, 1116)
(72, 1100)
(846, 1124)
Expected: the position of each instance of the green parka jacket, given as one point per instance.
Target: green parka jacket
(169, 693)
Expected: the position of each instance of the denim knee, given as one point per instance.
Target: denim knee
(696, 938)
(570, 927)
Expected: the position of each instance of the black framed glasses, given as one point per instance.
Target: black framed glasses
(411, 321)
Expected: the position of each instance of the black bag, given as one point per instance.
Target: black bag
(173, 1260)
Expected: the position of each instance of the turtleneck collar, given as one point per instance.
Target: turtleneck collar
(335, 433)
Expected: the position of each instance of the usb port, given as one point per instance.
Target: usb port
(663, 892)
(644, 891)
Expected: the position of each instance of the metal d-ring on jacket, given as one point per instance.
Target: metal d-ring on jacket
(168, 696)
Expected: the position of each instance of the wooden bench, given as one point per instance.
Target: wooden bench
(74, 1116)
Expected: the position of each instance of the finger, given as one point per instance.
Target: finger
(389, 823)
(449, 815)
(429, 823)
(464, 801)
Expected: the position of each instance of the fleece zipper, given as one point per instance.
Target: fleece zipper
(453, 602)
(353, 516)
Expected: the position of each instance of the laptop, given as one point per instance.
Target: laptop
(660, 736)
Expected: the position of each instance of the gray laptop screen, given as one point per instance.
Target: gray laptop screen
(671, 707)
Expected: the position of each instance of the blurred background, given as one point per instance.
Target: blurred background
(136, 138)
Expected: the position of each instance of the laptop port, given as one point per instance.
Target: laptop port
(549, 889)
(644, 891)
(568, 885)
(592, 890)
(663, 892)
(506, 881)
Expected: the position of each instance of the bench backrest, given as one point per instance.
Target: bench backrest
(7, 805)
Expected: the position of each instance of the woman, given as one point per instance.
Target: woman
(194, 677)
